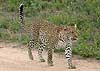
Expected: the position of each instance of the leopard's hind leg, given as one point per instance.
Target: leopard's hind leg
(30, 46)
(40, 50)
(50, 52)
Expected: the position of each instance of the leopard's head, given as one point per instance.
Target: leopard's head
(68, 31)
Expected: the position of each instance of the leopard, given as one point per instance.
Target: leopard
(47, 35)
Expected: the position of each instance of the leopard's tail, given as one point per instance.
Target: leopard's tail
(21, 18)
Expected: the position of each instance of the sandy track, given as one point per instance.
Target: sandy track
(15, 59)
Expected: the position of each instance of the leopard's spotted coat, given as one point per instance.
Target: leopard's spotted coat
(48, 35)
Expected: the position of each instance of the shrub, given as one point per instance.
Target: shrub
(84, 13)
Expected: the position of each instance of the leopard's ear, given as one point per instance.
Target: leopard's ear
(65, 28)
(75, 26)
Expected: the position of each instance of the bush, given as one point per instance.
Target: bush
(4, 36)
(84, 13)
(98, 56)
(24, 39)
(84, 50)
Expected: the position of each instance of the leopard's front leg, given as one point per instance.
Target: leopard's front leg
(50, 52)
(68, 54)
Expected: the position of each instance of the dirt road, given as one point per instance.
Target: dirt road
(16, 59)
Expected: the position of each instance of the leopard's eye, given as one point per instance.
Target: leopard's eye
(72, 32)
(65, 29)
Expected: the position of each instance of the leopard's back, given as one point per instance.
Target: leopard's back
(45, 32)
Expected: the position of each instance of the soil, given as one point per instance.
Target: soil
(16, 59)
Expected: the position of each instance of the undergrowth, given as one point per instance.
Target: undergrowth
(84, 13)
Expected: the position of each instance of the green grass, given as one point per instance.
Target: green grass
(84, 13)
(98, 56)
